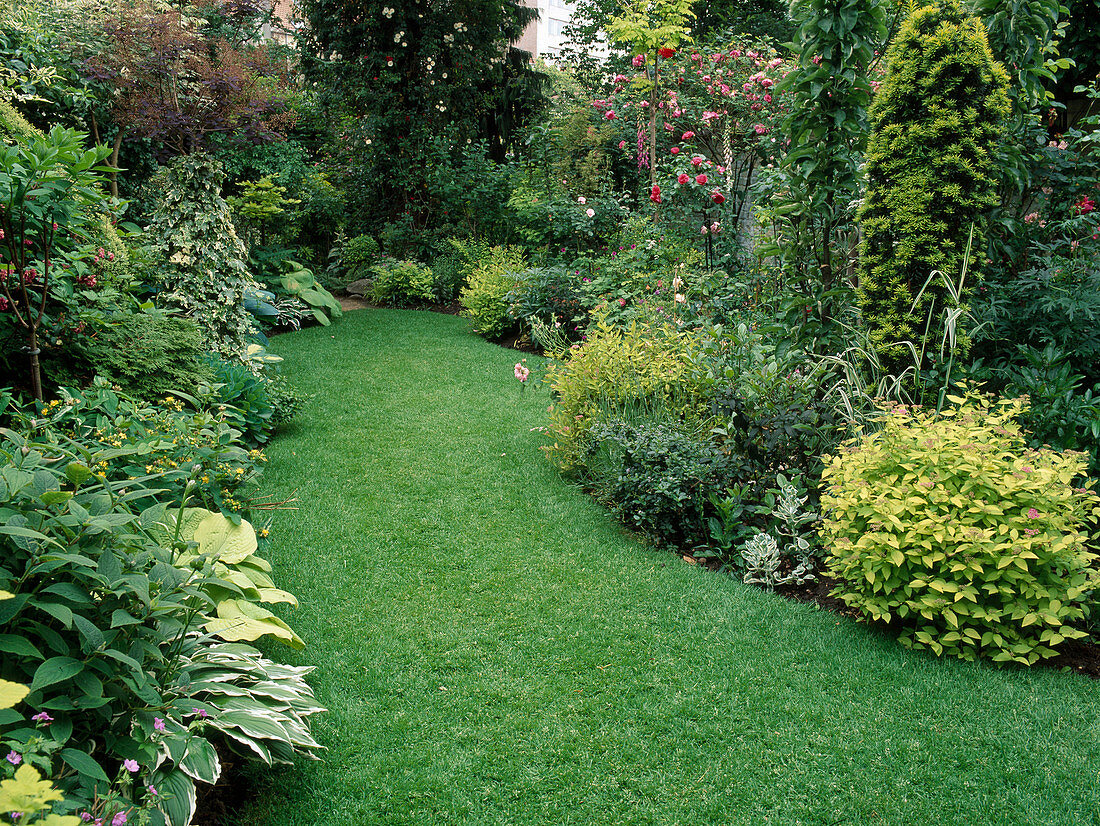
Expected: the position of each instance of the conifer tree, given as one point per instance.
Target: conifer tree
(931, 175)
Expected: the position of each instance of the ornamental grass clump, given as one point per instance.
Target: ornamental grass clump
(948, 527)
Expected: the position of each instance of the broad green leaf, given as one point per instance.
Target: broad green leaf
(85, 764)
(55, 670)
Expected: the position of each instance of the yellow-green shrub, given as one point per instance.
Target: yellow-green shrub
(616, 369)
(484, 298)
(949, 527)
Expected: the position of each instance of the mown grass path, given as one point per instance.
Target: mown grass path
(494, 650)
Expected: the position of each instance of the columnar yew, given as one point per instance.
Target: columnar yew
(931, 173)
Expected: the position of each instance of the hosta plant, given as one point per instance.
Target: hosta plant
(221, 555)
(228, 693)
(950, 528)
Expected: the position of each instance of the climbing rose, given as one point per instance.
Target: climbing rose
(655, 194)
(688, 136)
(683, 178)
(700, 179)
(717, 197)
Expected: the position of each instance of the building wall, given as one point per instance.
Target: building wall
(544, 37)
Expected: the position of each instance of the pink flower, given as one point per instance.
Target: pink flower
(130, 765)
(701, 180)
(119, 819)
(622, 144)
(703, 230)
(521, 372)
(687, 136)
(675, 150)
(14, 758)
(42, 717)
(1032, 513)
(709, 116)
(591, 213)
(683, 178)
(760, 129)
(1084, 206)
(767, 98)
(638, 61)
(610, 115)
(158, 724)
(696, 161)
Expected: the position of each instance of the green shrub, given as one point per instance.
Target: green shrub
(205, 274)
(13, 125)
(485, 296)
(452, 265)
(642, 368)
(931, 173)
(656, 476)
(244, 397)
(552, 295)
(114, 265)
(350, 261)
(950, 528)
(101, 601)
(400, 282)
(148, 355)
(160, 445)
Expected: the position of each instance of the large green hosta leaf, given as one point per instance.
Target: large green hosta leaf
(236, 579)
(240, 620)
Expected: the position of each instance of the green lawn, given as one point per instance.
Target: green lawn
(494, 649)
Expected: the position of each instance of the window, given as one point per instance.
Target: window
(561, 4)
(556, 27)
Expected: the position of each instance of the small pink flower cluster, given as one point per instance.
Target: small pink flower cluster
(521, 372)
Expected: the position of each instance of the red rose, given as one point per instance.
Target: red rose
(655, 194)
(684, 178)
(700, 179)
(666, 52)
(717, 197)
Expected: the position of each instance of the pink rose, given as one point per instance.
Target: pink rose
(701, 180)
(683, 178)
